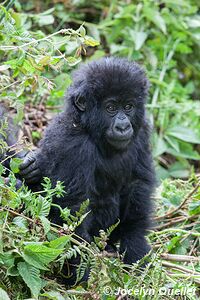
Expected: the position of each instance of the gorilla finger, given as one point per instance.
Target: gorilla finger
(29, 159)
(34, 173)
(29, 169)
(22, 154)
(32, 180)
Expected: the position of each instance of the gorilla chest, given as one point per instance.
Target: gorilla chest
(105, 199)
(105, 211)
(112, 181)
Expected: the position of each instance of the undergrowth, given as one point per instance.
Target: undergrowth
(33, 250)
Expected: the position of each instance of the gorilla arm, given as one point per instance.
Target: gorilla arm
(38, 163)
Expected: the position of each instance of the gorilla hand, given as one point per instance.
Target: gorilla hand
(29, 169)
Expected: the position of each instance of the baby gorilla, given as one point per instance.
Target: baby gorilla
(99, 148)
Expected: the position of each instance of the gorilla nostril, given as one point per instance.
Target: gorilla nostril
(127, 127)
(122, 127)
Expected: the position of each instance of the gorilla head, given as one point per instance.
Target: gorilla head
(107, 99)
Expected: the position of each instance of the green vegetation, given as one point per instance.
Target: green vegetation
(40, 43)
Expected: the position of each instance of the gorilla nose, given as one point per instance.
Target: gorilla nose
(122, 127)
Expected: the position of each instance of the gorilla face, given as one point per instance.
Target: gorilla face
(109, 97)
(120, 130)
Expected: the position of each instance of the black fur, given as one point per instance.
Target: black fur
(118, 182)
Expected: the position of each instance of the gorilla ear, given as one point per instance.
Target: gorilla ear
(80, 103)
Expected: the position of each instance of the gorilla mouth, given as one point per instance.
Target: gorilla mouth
(119, 142)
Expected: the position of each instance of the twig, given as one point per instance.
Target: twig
(180, 268)
(170, 213)
(176, 257)
(178, 230)
(174, 221)
(79, 293)
(193, 246)
(195, 278)
(107, 254)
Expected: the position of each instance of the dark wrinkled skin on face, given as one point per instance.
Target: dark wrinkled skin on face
(99, 147)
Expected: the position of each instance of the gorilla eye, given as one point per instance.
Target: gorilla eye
(111, 108)
(128, 107)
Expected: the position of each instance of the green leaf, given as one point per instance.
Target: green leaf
(4, 295)
(21, 222)
(45, 223)
(43, 207)
(179, 170)
(28, 66)
(88, 41)
(31, 277)
(159, 146)
(14, 164)
(44, 60)
(72, 61)
(139, 38)
(7, 259)
(186, 151)
(4, 67)
(60, 242)
(185, 134)
(82, 31)
(173, 242)
(173, 142)
(155, 17)
(194, 208)
(53, 295)
(40, 256)
(12, 271)
(194, 22)
(45, 20)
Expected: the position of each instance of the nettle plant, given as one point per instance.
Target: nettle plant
(32, 63)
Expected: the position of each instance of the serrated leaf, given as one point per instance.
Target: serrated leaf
(43, 207)
(31, 277)
(40, 256)
(60, 242)
(20, 222)
(45, 223)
